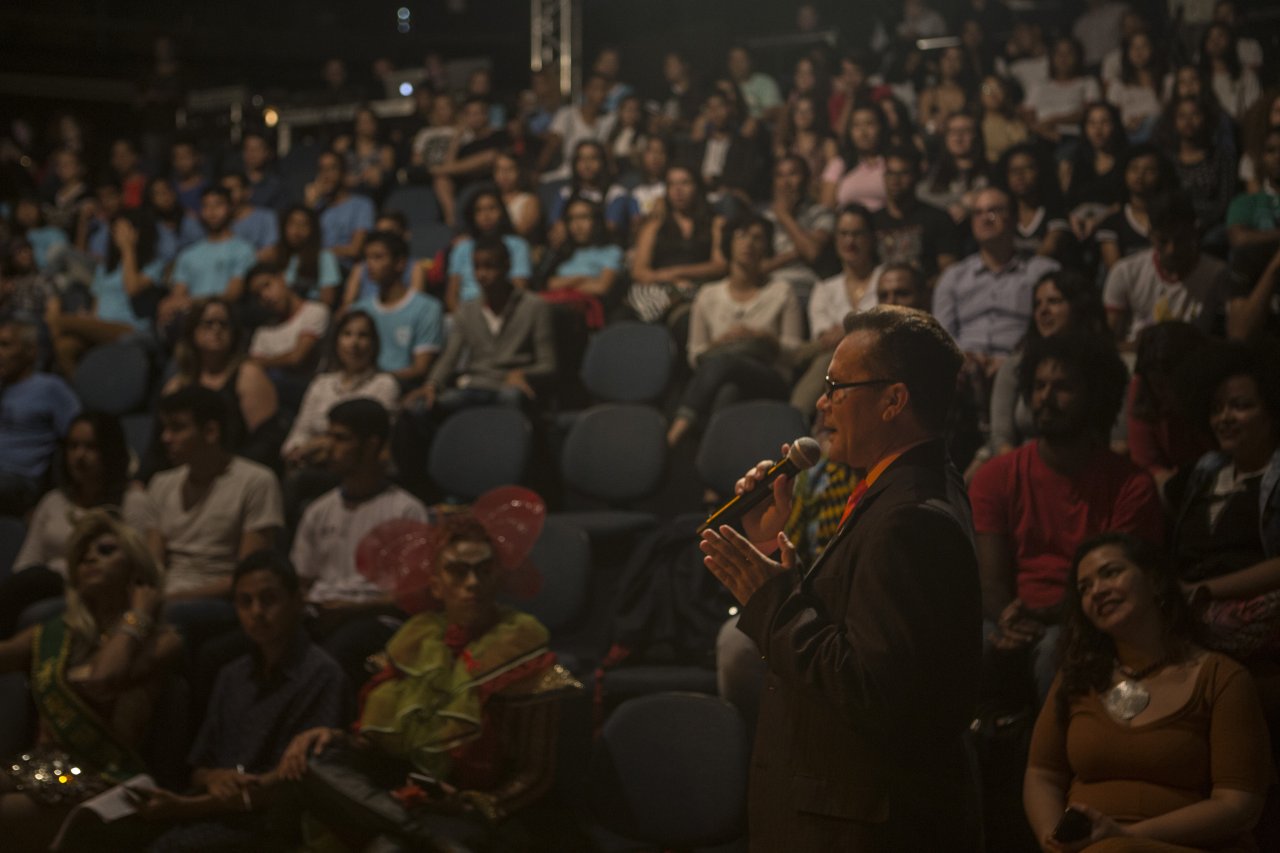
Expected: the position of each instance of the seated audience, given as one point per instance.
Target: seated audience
(959, 171)
(1148, 176)
(485, 216)
(948, 94)
(760, 93)
(801, 227)
(1174, 280)
(186, 170)
(360, 286)
(121, 285)
(310, 270)
(25, 292)
(856, 174)
(984, 301)
(1206, 174)
(1041, 222)
(805, 134)
(1093, 179)
(1226, 539)
(28, 220)
(93, 472)
(1054, 107)
(1235, 86)
(854, 288)
(431, 144)
(590, 178)
(1001, 127)
(214, 266)
(523, 206)
(573, 124)
(95, 672)
(725, 152)
(265, 188)
(214, 508)
(676, 249)
(1033, 506)
(742, 330)
(1137, 89)
(350, 615)
(907, 230)
(465, 681)
(286, 346)
(370, 161)
(176, 229)
(284, 686)
(36, 410)
(410, 324)
(210, 355)
(1162, 436)
(1061, 302)
(257, 226)
(345, 218)
(1160, 743)
(1254, 217)
(582, 281)
(470, 158)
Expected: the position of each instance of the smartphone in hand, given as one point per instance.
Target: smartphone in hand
(1074, 825)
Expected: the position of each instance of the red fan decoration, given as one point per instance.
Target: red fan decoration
(399, 556)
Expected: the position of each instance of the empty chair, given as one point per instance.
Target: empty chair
(478, 449)
(740, 435)
(671, 770)
(418, 204)
(427, 241)
(615, 454)
(113, 378)
(562, 556)
(629, 362)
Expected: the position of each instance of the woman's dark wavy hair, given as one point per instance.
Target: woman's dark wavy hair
(173, 216)
(1167, 176)
(108, 434)
(469, 213)
(1167, 125)
(145, 251)
(308, 254)
(1158, 66)
(1093, 361)
(1087, 314)
(606, 166)
(1082, 168)
(1087, 654)
(848, 153)
(1046, 193)
(702, 214)
(947, 168)
(187, 355)
(1223, 360)
(331, 362)
(1231, 56)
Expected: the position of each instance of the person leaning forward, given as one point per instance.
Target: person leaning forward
(874, 651)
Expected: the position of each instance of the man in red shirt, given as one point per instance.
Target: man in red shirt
(1033, 507)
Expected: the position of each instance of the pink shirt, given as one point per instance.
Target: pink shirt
(863, 184)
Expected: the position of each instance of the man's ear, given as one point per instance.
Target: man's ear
(899, 397)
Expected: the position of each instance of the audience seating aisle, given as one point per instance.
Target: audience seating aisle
(533, 293)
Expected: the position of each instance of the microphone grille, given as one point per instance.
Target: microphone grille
(805, 452)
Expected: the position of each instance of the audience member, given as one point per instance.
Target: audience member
(1255, 127)
(523, 206)
(725, 151)
(186, 171)
(345, 218)
(370, 161)
(265, 189)
(350, 615)
(1134, 691)
(360, 286)
(1033, 506)
(959, 171)
(410, 324)
(28, 220)
(854, 288)
(759, 91)
(1055, 107)
(801, 227)
(1235, 86)
(587, 265)
(1097, 30)
(310, 270)
(286, 345)
(573, 124)
(908, 230)
(856, 174)
(36, 410)
(1001, 127)
(176, 229)
(1173, 280)
(592, 179)
(95, 673)
(1207, 175)
(470, 156)
(214, 508)
(486, 216)
(1094, 176)
(257, 226)
(1254, 217)
(1148, 175)
(1040, 224)
(805, 134)
(949, 93)
(1136, 91)
(212, 267)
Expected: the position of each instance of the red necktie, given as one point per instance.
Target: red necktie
(855, 496)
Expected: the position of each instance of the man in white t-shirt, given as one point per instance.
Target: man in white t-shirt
(1174, 280)
(214, 507)
(351, 616)
(572, 125)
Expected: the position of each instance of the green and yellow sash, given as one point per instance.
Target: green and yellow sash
(78, 728)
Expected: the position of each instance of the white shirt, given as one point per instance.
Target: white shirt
(311, 320)
(829, 301)
(328, 390)
(572, 128)
(324, 549)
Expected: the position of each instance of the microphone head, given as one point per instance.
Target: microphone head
(805, 453)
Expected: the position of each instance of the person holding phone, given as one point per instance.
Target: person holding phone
(1147, 741)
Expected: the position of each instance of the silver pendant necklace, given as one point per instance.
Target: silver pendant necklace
(1129, 698)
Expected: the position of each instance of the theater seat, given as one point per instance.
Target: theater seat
(740, 435)
(629, 362)
(418, 204)
(478, 449)
(113, 378)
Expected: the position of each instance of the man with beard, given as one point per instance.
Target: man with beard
(1034, 506)
(214, 266)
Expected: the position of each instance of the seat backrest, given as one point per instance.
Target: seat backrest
(428, 240)
(418, 204)
(615, 452)
(113, 378)
(478, 449)
(629, 362)
(562, 556)
(742, 434)
(671, 769)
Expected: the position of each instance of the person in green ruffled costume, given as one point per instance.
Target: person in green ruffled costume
(467, 702)
(95, 672)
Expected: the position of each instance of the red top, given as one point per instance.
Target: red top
(1045, 515)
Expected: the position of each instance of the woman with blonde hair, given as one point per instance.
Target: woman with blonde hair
(95, 672)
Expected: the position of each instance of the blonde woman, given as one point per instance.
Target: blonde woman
(95, 672)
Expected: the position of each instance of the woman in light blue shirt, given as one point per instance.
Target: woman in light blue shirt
(485, 215)
(310, 270)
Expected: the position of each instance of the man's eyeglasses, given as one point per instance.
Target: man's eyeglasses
(832, 386)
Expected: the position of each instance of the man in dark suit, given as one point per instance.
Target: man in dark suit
(874, 651)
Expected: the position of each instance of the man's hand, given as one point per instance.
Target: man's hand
(293, 765)
(516, 379)
(1015, 629)
(739, 565)
(227, 783)
(766, 521)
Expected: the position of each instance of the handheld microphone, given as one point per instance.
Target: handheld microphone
(804, 453)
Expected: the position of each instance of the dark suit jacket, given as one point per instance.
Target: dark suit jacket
(873, 657)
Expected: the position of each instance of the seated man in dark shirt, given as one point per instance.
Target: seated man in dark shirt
(285, 686)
